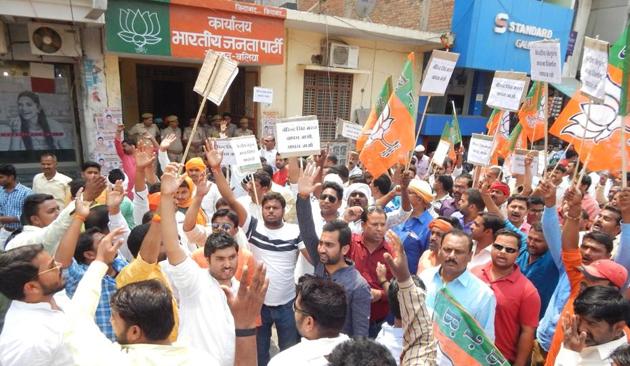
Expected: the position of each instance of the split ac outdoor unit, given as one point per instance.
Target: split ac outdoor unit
(341, 55)
(50, 39)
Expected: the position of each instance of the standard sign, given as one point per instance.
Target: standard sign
(298, 136)
(438, 72)
(544, 57)
(507, 90)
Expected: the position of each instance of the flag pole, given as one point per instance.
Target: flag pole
(588, 118)
(424, 114)
(546, 117)
(624, 148)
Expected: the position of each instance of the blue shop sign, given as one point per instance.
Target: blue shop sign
(495, 34)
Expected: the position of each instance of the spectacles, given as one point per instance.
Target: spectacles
(327, 197)
(56, 266)
(502, 248)
(296, 309)
(225, 226)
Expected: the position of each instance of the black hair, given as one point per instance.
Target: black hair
(325, 301)
(460, 234)
(90, 164)
(559, 167)
(75, 185)
(345, 234)
(360, 351)
(267, 168)
(263, 178)
(372, 209)
(383, 184)
(468, 177)
(602, 303)
(8, 170)
(586, 181)
(270, 196)
(221, 202)
(227, 114)
(357, 178)
(147, 304)
(224, 212)
(392, 295)
(42, 121)
(130, 140)
(17, 268)
(621, 355)
(31, 205)
(115, 175)
(333, 159)
(155, 188)
(517, 197)
(614, 209)
(338, 189)
(534, 200)
(447, 182)
(601, 238)
(85, 243)
(217, 241)
(98, 218)
(474, 198)
(451, 220)
(492, 222)
(537, 226)
(341, 170)
(136, 236)
(570, 154)
(147, 217)
(511, 234)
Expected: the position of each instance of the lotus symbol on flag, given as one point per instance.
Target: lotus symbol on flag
(539, 116)
(139, 28)
(383, 124)
(603, 117)
(504, 125)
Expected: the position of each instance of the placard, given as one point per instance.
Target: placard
(517, 165)
(350, 130)
(507, 91)
(441, 152)
(215, 77)
(480, 149)
(263, 95)
(438, 72)
(298, 136)
(594, 68)
(246, 154)
(545, 61)
(225, 145)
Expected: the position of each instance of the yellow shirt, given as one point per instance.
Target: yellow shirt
(57, 187)
(139, 270)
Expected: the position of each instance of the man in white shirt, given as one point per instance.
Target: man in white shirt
(353, 164)
(320, 313)
(268, 151)
(52, 182)
(34, 325)
(422, 162)
(596, 329)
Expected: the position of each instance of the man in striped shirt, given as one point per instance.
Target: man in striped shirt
(12, 197)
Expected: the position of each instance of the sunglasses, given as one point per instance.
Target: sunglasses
(327, 197)
(502, 248)
(225, 227)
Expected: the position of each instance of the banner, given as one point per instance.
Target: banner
(438, 73)
(298, 136)
(507, 90)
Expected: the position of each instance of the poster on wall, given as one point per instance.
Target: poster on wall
(104, 151)
(36, 115)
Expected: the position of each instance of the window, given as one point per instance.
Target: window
(327, 95)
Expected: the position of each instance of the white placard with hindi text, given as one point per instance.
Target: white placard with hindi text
(480, 149)
(263, 95)
(517, 164)
(507, 90)
(594, 68)
(228, 154)
(215, 77)
(441, 152)
(438, 73)
(246, 154)
(298, 136)
(544, 57)
(350, 130)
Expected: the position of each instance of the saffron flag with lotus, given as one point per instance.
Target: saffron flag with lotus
(499, 126)
(392, 136)
(460, 338)
(531, 116)
(453, 135)
(602, 133)
(375, 112)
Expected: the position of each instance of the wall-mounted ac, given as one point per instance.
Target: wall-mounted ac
(50, 39)
(340, 55)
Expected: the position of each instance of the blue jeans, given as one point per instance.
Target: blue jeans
(282, 316)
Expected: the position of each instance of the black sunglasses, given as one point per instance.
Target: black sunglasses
(502, 248)
(328, 197)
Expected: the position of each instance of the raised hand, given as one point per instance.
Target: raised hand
(203, 187)
(247, 302)
(144, 158)
(381, 272)
(352, 214)
(94, 187)
(573, 338)
(115, 195)
(167, 141)
(214, 156)
(406, 177)
(306, 182)
(171, 180)
(80, 208)
(573, 197)
(398, 264)
(108, 246)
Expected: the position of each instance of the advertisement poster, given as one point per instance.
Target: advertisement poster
(104, 151)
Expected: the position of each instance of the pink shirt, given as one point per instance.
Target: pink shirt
(590, 205)
(129, 166)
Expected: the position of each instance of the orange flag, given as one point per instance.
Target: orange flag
(532, 114)
(499, 126)
(375, 112)
(393, 135)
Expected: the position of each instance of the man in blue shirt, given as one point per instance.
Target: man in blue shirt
(12, 197)
(414, 233)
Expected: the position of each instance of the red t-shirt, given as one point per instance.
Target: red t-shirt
(365, 262)
(518, 304)
(280, 177)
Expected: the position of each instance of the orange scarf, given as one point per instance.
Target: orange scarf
(202, 219)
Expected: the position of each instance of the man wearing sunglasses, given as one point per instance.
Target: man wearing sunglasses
(518, 302)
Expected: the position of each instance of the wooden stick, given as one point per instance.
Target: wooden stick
(424, 114)
(588, 119)
(546, 118)
(588, 157)
(624, 149)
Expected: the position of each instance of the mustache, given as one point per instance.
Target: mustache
(450, 261)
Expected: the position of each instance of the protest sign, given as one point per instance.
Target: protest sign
(298, 136)
(246, 154)
(441, 152)
(350, 130)
(215, 77)
(480, 149)
(517, 165)
(545, 61)
(438, 72)
(594, 68)
(268, 121)
(507, 90)
(263, 95)
(225, 145)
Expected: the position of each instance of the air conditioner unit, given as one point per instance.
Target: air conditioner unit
(341, 55)
(50, 39)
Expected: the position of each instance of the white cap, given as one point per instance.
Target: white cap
(419, 148)
(358, 187)
(335, 178)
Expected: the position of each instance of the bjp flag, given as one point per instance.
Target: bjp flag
(531, 116)
(392, 136)
(499, 126)
(602, 133)
(375, 112)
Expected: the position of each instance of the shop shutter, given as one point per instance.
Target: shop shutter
(327, 95)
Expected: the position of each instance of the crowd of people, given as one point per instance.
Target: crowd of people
(160, 263)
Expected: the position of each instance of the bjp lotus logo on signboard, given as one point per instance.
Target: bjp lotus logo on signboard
(140, 28)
